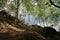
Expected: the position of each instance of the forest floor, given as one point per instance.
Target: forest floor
(8, 34)
(14, 29)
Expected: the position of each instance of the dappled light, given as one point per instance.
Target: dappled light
(29, 20)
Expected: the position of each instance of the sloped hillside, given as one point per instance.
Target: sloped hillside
(14, 29)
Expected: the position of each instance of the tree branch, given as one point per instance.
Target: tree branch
(54, 4)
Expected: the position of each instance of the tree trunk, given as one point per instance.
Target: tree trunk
(40, 22)
(43, 23)
(18, 9)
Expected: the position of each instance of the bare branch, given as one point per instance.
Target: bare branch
(54, 4)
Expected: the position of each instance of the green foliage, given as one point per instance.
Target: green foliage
(42, 11)
(2, 4)
(12, 7)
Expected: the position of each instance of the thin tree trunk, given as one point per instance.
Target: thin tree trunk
(8, 10)
(40, 22)
(43, 23)
(17, 13)
(47, 23)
